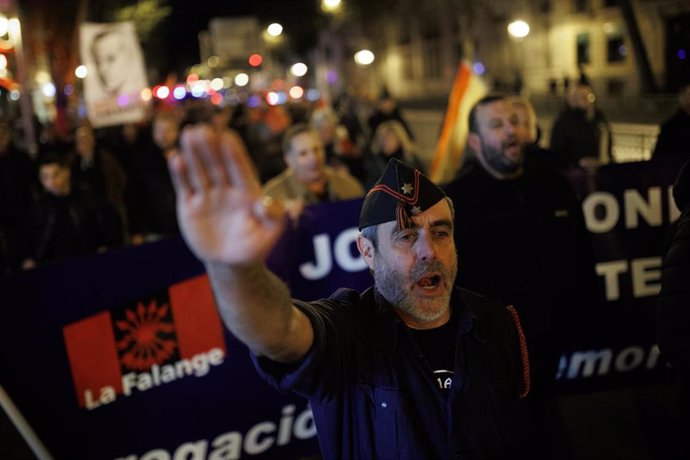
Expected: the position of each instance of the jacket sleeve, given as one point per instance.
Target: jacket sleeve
(673, 304)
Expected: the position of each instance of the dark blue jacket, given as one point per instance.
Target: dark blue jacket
(673, 304)
(373, 394)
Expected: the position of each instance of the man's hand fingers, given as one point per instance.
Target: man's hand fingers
(239, 166)
(178, 174)
(208, 146)
(196, 169)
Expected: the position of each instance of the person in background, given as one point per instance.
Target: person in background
(307, 180)
(675, 132)
(150, 195)
(411, 368)
(266, 137)
(18, 190)
(528, 133)
(581, 135)
(673, 304)
(341, 152)
(94, 169)
(522, 239)
(387, 109)
(390, 141)
(221, 118)
(67, 221)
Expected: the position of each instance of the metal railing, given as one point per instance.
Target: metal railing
(631, 141)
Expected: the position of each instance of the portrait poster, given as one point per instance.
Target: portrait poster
(115, 75)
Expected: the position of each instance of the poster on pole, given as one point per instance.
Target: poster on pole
(115, 75)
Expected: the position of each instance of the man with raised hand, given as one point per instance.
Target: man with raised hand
(414, 367)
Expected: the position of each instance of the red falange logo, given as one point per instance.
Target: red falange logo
(148, 336)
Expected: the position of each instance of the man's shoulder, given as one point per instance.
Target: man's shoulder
(490, 313)
(346, 186)
(469, 176)
(475, 300)
(279, 186)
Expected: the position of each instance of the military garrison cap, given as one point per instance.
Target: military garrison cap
(400, 193)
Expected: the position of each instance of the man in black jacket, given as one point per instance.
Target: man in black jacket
(521, 239)
(673, 305)
(674, 135)
(150, 195)
(581, 135)
(67, 220)
(18, 189)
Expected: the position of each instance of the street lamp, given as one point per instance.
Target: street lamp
(299, 69)
(274, 30)
(81, 71)
(518, 29)
(331, 6)
(364, 57)
(241, 79)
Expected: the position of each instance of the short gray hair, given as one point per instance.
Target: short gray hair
(372, 234)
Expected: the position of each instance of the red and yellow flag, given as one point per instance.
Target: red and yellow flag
(468, 88)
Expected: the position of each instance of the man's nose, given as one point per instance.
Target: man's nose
(426, 249)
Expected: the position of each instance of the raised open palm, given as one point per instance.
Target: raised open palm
(219, 204)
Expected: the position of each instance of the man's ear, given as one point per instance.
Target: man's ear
(474, 142)
(366, 248)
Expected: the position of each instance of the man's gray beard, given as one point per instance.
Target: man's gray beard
(498, 161)
(394, 286)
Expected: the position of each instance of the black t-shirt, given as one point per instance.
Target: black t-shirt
(438, 347)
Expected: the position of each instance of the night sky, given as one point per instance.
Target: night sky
(298, 17)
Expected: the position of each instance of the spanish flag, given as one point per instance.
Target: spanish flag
(468, 88)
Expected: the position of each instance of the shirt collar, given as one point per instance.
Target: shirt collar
(461, 308)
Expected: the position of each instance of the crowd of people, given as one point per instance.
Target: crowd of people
(524, 244)
(90, 190)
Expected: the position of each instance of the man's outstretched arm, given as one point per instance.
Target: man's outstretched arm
(232, 230)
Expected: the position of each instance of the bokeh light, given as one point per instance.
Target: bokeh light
(241, 79)
(255, 60)
(217, 84)
(198, 89)
(162, 92)
(274, 29)
(330, 6)
(179, 92)
(296, 92)
(192, 78)
(478, 68)
(254, 101)
(364, 57)
(217, 99)
(48, 89)
(146, 94)
(299, 69)
(518, 29)
(272, 98)
(81, 71)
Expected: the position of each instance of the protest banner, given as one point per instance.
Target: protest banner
(123, 356)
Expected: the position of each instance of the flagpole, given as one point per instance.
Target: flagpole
(23, 426)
